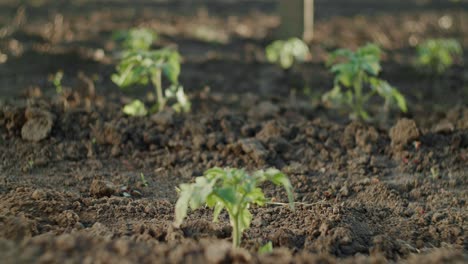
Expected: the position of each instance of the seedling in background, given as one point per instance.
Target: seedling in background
(142, 67)
(135, 39)
(356, 81)
(143, 180)
(230, 189)
(135, 108)
(436, 56)
(56, 80)
(286, 52)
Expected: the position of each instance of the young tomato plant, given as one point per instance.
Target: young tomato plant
(435, 56)
(135, 39)
(286, 52)
(142, 67)
(230, 189)
(356, 81)
(56, 80)
(135, 108)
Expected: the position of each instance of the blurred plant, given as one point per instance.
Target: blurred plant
(267, 248)
(56, 80)
(135, 108)
(230, 189)
(357, 72)
(141, 67)
(436, 56)
(3, 57)
(135, 39)
(143, 180)
(286, 52)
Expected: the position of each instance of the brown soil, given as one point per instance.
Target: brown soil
(70, 165)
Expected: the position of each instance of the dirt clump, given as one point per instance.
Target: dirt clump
(38, 125)
(100, 188)
(404, 131)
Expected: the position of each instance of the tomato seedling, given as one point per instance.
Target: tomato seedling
(436, 56)
(356, 81)
(142, 67)
(56, 80)
(230, 189)
(135, 39)
(286, 52)
(135, 108)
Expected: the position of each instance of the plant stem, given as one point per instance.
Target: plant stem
(359, 99)
(236, 236)
(159, 93)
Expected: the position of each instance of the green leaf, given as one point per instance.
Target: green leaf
(217, 210)
(227, 194)
(245, 219)
(230, 189)
(214, 173)
(135, 108)
(256, 196)
(201, 189)
(182, 204)
(172, 68)
(400, 99)
(135, 39)
(279, 178)
(286, 52)
(267, 248)
(437, 55)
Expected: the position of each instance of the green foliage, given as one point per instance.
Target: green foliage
(57, 82)
(286, 52)
(135, 39)
(435, 56)
(267, 248)
(142, 67)
(143, 180)
(135, 108)
(231, 189)
(356, 81)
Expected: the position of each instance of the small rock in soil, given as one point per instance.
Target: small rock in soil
(216, 253)
(38, 125)
(254, 148)
(198, 141)
(101, 188)
(264, 110)
(270, 130)
(358, 134)
(444, 126)
(403, 132)
(65, 242)
(13, 118)
(240, 255)
(39, 195)
(163, 118)
(17, 228)
(106, 134)
(66, 218)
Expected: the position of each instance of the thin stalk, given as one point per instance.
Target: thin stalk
(159, 92)
(236, 236)
(359, 98)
